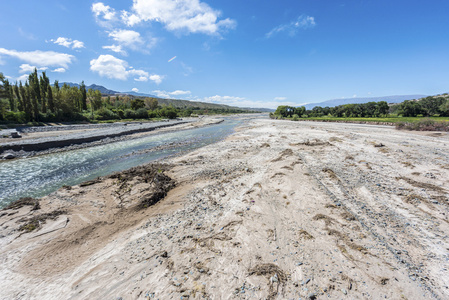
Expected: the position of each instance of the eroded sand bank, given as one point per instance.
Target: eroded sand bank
(279, 210)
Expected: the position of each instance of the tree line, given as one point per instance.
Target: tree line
(38, 101)
(429, 106)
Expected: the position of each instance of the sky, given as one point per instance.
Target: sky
(247, 53)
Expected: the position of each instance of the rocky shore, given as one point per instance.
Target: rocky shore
(50, 139)
(279, 210)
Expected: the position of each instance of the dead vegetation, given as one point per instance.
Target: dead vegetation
(27, 201)
(157, 183)
(36, 222)
(276, 277)
(421, 185)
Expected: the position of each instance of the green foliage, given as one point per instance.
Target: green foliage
(137, 103)
(141, 113)
(168, 112)
(410, 109)
(106, 114)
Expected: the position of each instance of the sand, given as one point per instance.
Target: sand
(279, 210)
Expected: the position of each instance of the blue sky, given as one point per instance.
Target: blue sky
(259, 53)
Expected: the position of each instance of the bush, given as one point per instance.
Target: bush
(141, 113)
(129, 114)
(105, 114)
(15, 117)
(295, 117)
(424, 125)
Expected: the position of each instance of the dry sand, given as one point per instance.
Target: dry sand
(279, 210)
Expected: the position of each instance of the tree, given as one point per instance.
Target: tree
(382, 108)
(84, 95)
(151, 103)
(94, 97)
(44, 83)
(137, 103)
(410, 108)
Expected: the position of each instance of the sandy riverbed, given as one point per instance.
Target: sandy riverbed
(279, 210)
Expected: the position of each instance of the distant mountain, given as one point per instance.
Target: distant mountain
(389, 99)
(137, 94)
(101, 88)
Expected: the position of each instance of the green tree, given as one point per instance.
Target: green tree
(84, 95)
(94, 97)
(410, 108)
(151, 103)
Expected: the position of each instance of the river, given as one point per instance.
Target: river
(39, 176)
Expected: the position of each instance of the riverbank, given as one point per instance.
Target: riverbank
(278, 210)
(51, 139)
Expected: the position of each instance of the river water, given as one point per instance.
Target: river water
(38, 176)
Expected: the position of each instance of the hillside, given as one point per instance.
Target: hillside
(389, 99)
(173, 102)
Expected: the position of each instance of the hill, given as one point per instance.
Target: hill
(389, 99)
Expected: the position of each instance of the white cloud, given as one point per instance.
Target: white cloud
(165, 94)
(127, 38)
(104, 11)
(104, 14)
(41, 58)
(26, 68)
(135, 90)
(292, 28)
(280, 98)
(116, 49)
(180, 92)
(68, 43)
(59, 70)
(156, 78)
(112, 67)
(230, 100)
(191, 16)
(23, 78)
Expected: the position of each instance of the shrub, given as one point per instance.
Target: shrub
(105, 114)
(295, 117)
(129, 114)
(141, 113)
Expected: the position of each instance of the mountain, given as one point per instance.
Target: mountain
(388, 99)
(101, 88)
(137, 94)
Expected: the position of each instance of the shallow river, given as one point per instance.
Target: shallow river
(41, 175)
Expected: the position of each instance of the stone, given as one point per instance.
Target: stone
(9, 156)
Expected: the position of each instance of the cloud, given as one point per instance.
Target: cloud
(26, 68)
(180, 92)
(191, 16)
(41, 58)
(156, 78)
(59, 70)
(292, 28)
(135, 90)
(161, 94)
(68, 43)
(23, 78)
(129, 39)
(116, 49)
(104, 14)
(112, 67)
(165, 94)
(280, 98)
(231, 100)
